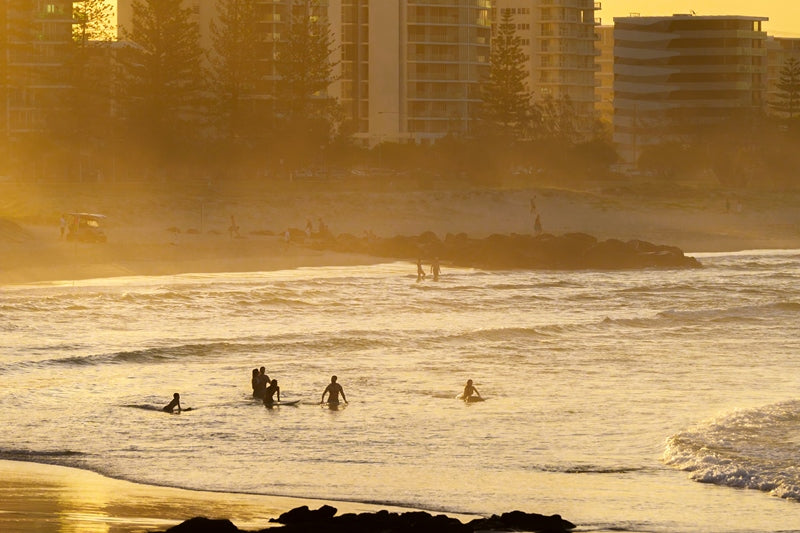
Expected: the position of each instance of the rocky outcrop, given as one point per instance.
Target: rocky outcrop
(572, 251)
(304, 520)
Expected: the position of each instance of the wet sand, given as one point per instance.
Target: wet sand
(37, 497)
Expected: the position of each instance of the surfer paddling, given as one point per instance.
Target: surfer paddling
(470, 394)
(175, 403)
(333, 390)
(270, 392)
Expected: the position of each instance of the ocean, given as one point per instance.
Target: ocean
(648, 400)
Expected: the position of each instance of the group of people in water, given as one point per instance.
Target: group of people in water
(269, 392)
(435, 270)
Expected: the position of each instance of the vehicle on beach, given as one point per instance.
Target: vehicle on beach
(85, 227)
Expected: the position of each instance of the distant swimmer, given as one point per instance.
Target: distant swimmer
(470, 394)
(420, 271)
(435, 269)
(175, 403)
(333, 390)
(270, 392)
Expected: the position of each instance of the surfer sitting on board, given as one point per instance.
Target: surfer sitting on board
(270, 391)
(176, 402)
(470, 394)
(333, 390)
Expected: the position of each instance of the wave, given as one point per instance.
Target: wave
(739, 314)
(748, 448)
(59, 457)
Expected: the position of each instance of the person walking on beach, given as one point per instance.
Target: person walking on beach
(63, 226)
(333, 390)
(175, 403)
(435, 269)
(420, 271)
(233, 229)
(470, 392)
(537, 226)
(270, 391)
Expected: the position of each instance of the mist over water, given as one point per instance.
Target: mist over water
(609, 394)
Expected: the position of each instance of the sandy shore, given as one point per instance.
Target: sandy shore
(161, 233)
(37, 497)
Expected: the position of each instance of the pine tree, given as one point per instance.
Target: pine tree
(788, 85)
(93, 21)
(506, 106)
(236, 68)
(162, 73)
(305, 67)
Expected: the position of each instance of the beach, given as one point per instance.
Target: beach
(41, 497)
(162, 233)
(158, 232)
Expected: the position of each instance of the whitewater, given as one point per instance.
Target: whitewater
(648, 400)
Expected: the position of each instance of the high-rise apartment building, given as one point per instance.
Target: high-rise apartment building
(558, 37)
(675, 74)
(604, 77)
(412, 69)
(36, 47)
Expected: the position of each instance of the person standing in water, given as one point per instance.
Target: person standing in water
(175, 403)
(420, 270)
(333, 390)
(471, 394)
(435, 269)
(270, 392)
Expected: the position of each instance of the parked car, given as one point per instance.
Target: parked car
(85, 227)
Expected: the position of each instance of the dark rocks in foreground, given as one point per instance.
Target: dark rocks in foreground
(304, 520)
(572, 251)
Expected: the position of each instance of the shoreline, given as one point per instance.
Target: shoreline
(152, 232)
(49, 497)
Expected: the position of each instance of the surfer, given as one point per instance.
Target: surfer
(333, 390)
(470, 392)
(420, 271)
(270, 391)
(176, 402)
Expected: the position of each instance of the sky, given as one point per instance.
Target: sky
(784, 15)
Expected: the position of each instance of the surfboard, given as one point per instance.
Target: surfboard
(278, 404)
(470, 399)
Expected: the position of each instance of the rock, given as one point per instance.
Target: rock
(201, 524)
(520, 521)
(303, 515)
(572, 251)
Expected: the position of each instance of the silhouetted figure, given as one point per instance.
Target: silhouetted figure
(435, 269)
(270, 391)
(533, 204)
(333, 390)
(63, 226)
(537, 225)
(233, 229)
(420, 271)
(175, 403)
(470, 393)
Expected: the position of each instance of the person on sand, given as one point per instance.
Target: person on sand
(435, 269)
(175, 403)
(333, 390)
(470, 392)
(233, 229)
(270, 392)
(63, 225)
(420, 271)
(537, 225)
